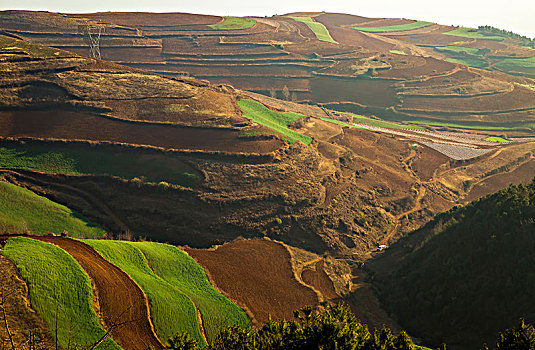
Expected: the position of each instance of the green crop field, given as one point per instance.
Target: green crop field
(56, 281)
(517, 63)
(230, 23)
(171, 310)
(77, 160)
(321, 32)
(277, 121)
(342, 123)
(472, 34)
(470, 62)
(22, 210)
(497, 139)
(459, 49)
(399, 52)
(360, 119)
(396, 28)
(181, 271)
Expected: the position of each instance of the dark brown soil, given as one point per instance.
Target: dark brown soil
(60, 124)
(257, 274)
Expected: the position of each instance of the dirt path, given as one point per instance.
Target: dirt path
(120, 299)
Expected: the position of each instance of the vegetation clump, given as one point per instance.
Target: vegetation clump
(336, 328)
(473, 275)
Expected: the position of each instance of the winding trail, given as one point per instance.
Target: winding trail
(120, 300)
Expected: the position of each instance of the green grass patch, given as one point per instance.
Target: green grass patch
(497, 139)
(459, 50)
(21, 210)
(56, 281)
(77, 160)
(170, 309)
(517, 63)
(321, 32)
(470, 62)
(396, 28)
(360, 119)
(342, 123)
(399, 52)
(277, 121)
(180, 270)
(472, 34)
(230, 23)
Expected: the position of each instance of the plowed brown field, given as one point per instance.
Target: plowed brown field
(256, 274)
(120, 299)
(62, 124)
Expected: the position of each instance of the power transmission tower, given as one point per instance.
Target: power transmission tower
(93, 32)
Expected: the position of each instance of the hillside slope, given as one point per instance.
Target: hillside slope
(397, 69)
(208, 171)
(466, 274)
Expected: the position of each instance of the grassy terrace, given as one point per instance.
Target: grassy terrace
(231, 23)
(472, 34)
(396, 28)
(56, 280)
(181, 271)
(171, 310)
(517, 63)
(459, 50)
(277, 121)
(321, 32)
(497, 139)
(22, 210)
(77, 160)
(470, 62)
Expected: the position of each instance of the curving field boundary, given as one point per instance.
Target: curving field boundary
(119, 299)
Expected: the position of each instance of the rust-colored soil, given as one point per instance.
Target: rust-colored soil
(62, 124)
(120, 299)
(317, 278)
(21, 319)
(258, 275)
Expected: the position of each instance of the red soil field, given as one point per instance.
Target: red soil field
(119, 298)
(59, 124)
(372, 92)
(339, 19)
(432, 66)
(257, 274)
(517, 99)
(150, 19)
(384, 22)
(355, 38)
(317, 278)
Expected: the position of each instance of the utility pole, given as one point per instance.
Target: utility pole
(93, 32)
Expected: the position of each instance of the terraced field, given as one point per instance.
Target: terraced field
(60, 291)
(276, 121)
(23, 211)
(277, 53)
(322, 33)
(95, 159)
(395, 28)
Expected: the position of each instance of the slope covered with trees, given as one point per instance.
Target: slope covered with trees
(473, 274)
